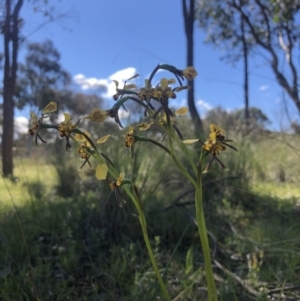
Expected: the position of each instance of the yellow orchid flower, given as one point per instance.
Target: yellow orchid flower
(126, 87)
(213, 148)
(34, 124)
(115, 186)
(65, 127)
(129, 140)
(97, 115)
(215, 144)
(164, 84)
(190, 73)
(216, 132)
(84, 148)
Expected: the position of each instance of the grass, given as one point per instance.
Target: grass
(85, 247)
(29, 176)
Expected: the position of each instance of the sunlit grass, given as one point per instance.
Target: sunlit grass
(26, 172)
(88, 248)
(278, 190)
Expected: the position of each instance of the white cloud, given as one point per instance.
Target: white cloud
(204, 106)
(21, 124)
(89, 83)
(94, 83)
(123, 74)
(123, 114)
(264, 88)
(60, 117)
(178, 103)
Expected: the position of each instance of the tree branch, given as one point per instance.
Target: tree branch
(292, 92)
(288, 49)
(263, 9)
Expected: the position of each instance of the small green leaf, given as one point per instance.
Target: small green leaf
(189, 260)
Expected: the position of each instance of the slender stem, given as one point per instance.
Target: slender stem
(212, 292)
(186, 152)
(143, 223)
(171, 134)
(137, 204)
(152, 75)
(154, 142)
(139, 101)
(179, 165)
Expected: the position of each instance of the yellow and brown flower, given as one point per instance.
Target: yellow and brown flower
(115, 184)
(34, 124)
(215, 144)
(51, 107)
(97, 115)
(65, 127)
(126, 88)
(129, 139)
(189, 73)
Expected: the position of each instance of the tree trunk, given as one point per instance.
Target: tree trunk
(11, 41)
(189, 17)
(246, 74)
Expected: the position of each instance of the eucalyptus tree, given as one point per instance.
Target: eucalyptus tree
(11, 24)
(226, 30)
(270, 28)
(10, 28)
(189, 9)
(41, 78)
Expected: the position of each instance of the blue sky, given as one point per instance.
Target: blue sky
(113, 39)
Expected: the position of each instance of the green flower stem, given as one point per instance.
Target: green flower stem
(212, 292)
(179, 165)
(143, 223)
(168, 67)
(138, 205)
(152, 75)
(186, 152)
(172, 134)
(139, 138)
(211, 286)
(122, 101)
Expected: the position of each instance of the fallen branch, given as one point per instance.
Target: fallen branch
(238, 279)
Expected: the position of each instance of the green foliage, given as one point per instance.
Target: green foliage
(79, 249)
(86, 225)
(85, 246)
(36, 189)
(79, 104)
(235, 120)
(41, 78)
